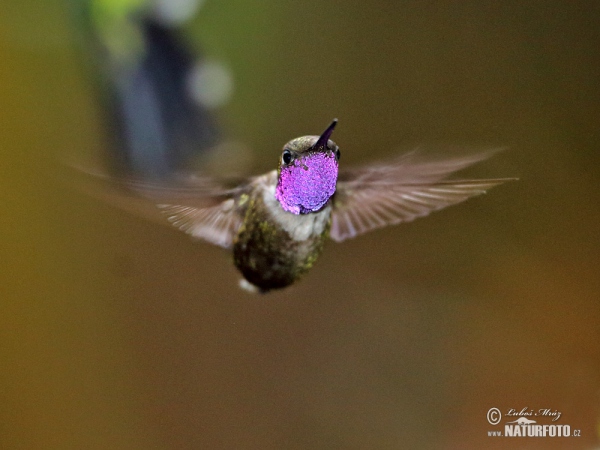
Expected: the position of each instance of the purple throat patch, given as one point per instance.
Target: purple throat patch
(308, 183)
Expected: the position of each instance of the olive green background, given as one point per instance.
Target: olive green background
(118, 333)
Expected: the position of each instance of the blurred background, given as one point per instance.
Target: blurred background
(118, 333)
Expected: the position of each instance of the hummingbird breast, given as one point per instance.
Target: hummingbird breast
(273, 247)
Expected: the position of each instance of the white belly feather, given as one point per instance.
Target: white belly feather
(300, 227)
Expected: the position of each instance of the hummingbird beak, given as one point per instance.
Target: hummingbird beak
(322, 141)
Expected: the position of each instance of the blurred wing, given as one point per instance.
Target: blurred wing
(202, 207)
(217, 224)
(382, 195)
(413, 167)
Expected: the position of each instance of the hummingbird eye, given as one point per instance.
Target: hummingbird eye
(286, 157)
(338, 154)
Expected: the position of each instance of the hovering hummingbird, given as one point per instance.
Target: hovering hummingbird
(276, 224)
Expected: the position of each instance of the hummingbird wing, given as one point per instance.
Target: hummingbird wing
(388, 194)
(216, 224)
(203, 207)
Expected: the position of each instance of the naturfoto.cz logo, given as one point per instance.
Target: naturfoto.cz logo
(521, 423)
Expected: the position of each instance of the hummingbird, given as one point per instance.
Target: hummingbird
(276, 224)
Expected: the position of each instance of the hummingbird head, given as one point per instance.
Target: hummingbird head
(308, 171)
